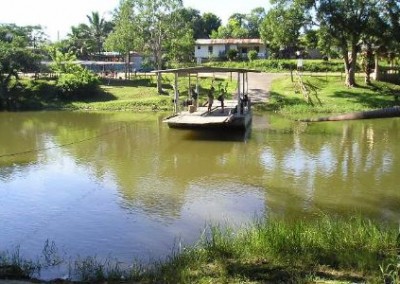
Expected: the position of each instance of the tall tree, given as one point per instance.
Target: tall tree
(15, 57)
(241, 25)
(347, 22)
(280, 29)
(233, 29)
(86, 39)
(254, 20)
(98, 30)
(159, 27)
(123, 38)
(211, 23)
(192, 18)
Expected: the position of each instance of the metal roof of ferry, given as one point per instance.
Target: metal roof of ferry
(205, 69)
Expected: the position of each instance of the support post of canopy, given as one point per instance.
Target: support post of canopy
(197, 90)
(176, 93)
(247, 83)
(243, 84)
(239, 105)
(189, 88)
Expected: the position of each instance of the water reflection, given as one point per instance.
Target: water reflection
(125, 184)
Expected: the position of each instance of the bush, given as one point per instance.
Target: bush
(252, 55)
(78, 85)
(232, 54)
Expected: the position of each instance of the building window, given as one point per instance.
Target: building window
(257, 48)
(198, 47)
(210, 49)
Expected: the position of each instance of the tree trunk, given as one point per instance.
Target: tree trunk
(378, 113)
(350, 65)
(377, 71)
(368, 61)
(159, 67)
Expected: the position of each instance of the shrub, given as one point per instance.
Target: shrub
(77, 85)
(232, 54)
(252, 55)
(74, 81)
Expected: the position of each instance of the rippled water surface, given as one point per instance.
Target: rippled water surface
(124, 186)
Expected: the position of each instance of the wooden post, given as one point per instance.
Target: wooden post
(238, 94)
(243, 84)
(189, 89)
(291, 74)
(197, 90)
(247, 83)
(176, 93)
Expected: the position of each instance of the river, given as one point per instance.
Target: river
(125, 186)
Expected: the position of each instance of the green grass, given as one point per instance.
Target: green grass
(282, 251)
(339, 250)
(138, 94)
(330, 96)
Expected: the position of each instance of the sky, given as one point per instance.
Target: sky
(57, 16)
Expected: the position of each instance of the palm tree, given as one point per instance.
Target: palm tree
(98, 30)
(89, 38)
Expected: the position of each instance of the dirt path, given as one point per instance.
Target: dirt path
(260, 85)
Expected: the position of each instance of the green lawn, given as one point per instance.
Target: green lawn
(140, 94)
(330, 96)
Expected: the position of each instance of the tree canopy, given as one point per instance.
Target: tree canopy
(241, 25)
(87, 39)
(17, 54)
(345, 24)
(160, 27)
(123, 38)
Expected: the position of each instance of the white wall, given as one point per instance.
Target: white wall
(202, 52)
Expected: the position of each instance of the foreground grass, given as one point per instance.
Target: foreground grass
(270, 251)
(286, 251)
(329, 95)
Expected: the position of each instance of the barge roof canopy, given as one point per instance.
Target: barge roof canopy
(205, 69)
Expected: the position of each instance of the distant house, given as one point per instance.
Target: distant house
(114, 62)
(214, 48)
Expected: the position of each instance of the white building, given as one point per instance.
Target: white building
(214, 48)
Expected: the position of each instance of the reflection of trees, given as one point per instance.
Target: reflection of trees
(335, 167)
(154, 166)
(20, 134)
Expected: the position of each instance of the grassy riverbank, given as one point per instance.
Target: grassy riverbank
(342, 250)
(286, 251)
(329, 95)
(137, 94)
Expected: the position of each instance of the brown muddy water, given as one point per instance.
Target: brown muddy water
(124, 186)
